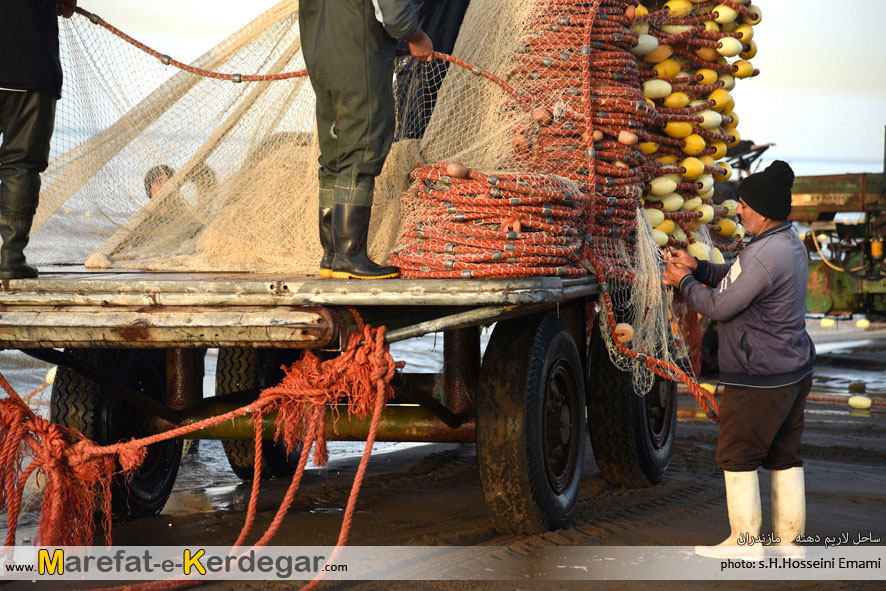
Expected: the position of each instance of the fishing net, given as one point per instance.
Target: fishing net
(617, 113)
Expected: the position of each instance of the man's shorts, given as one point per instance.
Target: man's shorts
(762, 427)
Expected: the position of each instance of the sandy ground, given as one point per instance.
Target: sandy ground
(430, 495)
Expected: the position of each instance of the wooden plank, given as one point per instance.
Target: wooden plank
(184, 290)
(188, 327)
(181, 310)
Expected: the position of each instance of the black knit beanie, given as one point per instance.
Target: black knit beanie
(769, 192)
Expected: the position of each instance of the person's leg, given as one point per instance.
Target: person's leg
(27, 120)
(739, 455)
(326, 175)
(787, 479)
(364, 122)
(314, 34)
(750, 420)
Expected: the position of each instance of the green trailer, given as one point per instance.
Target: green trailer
(847, 269)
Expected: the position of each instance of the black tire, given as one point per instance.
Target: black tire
(83, 405)
(243, 369)
(632, 436)
(530, 425)
(276, 463)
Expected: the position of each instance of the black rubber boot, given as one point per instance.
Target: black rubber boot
(326, 241)
(350, 227)
(15, 232)
(27, 120)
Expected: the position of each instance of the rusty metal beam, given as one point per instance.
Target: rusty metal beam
(398, 423)
(165, 327)
(461, 369)
(419, 389)
(474, 317)
(184, 378)
(836, 193)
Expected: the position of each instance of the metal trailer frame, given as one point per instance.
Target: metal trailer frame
(185, 313)
(133, 366)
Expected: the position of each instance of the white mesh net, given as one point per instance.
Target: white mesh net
(243, 190)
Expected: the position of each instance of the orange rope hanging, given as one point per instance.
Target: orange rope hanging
(75, 468)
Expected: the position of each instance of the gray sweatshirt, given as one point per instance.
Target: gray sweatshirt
(398, 17)
(759, 302)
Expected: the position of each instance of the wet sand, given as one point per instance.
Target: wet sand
(430, 494)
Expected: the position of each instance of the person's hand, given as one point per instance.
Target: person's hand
(421, 47)
(680, 257)
(65, 8)
(674, 274)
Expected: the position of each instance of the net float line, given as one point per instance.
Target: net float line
(658, 366)
(169, 61)
(841, 401)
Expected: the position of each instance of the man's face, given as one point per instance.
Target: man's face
(750, 219)
(157, 184)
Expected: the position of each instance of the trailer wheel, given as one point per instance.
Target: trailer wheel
(94, 411)
(530, 425)
(238, 369)
(632, 436)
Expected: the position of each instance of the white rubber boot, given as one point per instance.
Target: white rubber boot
(788, 509)
(745, 518)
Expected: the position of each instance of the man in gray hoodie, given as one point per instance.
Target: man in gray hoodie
(349, 48)
(765, 356)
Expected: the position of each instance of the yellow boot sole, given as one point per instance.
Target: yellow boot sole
(325, 273)
(347, 275)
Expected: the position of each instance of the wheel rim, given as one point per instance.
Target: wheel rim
(658, 412)
(559, 427)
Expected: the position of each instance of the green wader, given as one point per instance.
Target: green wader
(26, 123)
(350, 59)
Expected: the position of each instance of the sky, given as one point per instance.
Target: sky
(820, 96)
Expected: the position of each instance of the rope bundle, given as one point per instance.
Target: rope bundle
(472, 225)
(76, 469)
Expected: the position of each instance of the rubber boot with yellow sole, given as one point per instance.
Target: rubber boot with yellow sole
(350, 229)
(325, 224)
(745, 518)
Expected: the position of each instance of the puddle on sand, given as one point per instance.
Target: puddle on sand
(836, 380)
(205, 481)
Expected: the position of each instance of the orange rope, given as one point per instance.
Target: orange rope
(361, 365)
(74, 466)
(182, 66)
(841, 400)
